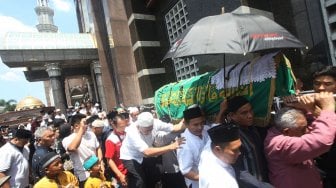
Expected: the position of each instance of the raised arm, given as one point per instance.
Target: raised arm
(221, 114)
(319, 139)
(179, 128)
(151, 151)
(74, 144)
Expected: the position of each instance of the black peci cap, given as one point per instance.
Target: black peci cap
(192, 112)
(235, 103)
(225, 132)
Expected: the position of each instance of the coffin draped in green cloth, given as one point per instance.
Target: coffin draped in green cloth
(172, 99)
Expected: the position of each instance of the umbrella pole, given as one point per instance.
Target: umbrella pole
(224, 70)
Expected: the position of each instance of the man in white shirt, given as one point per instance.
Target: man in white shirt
(133, 113)
(81, 144)
(196, 137)
(60, 115)
(215, 170)
(28, 125)
(14, 160)
(138, 144)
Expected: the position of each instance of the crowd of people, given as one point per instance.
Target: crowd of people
(131, 147)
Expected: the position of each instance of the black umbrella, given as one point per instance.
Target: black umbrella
(232, 33)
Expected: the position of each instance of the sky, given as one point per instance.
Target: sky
(20, 16)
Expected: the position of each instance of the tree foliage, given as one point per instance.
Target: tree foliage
(9, 105)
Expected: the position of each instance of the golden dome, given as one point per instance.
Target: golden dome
(29, 103)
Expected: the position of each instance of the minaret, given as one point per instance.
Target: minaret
(45, 17)
(46, 25)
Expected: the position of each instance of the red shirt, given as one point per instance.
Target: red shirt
(113, 145)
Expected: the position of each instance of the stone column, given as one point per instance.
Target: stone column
(99, 83)
(91, 91)
(54, 72)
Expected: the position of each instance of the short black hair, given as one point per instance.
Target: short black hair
(326, 71)
(58, 122)
(76, 119)
(64, 131)
(121, 116)
(111, 115)
(92, 119)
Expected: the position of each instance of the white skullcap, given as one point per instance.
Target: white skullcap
(97, 123)
(132, 110)
(102, 115)
(145, 119)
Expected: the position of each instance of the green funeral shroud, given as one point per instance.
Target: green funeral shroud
(172, 99)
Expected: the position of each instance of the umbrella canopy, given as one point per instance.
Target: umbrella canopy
(232, 33)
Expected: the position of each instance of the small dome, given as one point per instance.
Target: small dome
(28, 103)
